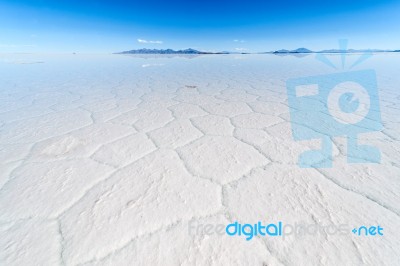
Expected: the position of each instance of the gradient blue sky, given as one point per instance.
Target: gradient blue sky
(253, 26)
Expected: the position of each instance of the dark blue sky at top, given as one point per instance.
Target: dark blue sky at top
(107, 26)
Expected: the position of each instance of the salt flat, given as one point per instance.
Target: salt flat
(108, 159)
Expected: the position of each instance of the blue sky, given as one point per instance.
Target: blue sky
(253, 26)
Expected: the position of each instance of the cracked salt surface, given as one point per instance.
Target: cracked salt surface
(105, 162)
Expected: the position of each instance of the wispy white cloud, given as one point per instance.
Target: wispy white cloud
(241, 41)
(150, 42)
(241, 49)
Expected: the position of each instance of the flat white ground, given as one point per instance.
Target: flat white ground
(106, 159)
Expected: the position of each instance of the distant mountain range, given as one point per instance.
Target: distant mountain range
(282, 51)
(297, 51)
(305, 50)
(356, 51)
(168, 51)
